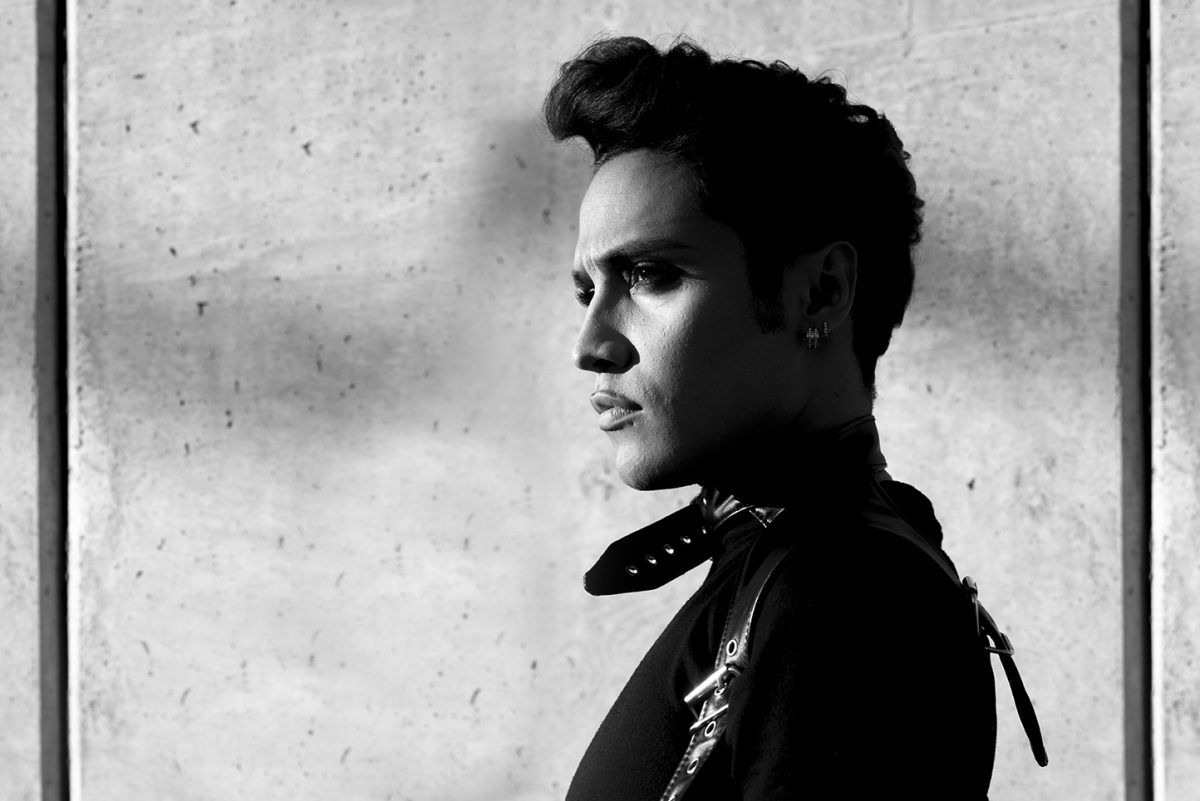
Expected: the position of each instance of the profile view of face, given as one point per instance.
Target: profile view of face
(685, 378)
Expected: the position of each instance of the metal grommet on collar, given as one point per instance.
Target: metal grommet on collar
(631, 570)
(685, 539)
(731, 648)
(651, 560)
(668, 549)
(695, 763)
(710, 728)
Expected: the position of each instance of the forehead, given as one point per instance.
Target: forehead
(638, 195)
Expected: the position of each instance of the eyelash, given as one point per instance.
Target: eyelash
(653, 275)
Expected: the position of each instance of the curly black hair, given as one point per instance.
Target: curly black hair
(787, 161)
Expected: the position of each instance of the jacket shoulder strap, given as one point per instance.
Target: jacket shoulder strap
(732, 658)
(985, 628)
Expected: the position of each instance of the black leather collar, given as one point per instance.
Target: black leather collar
(664, 550)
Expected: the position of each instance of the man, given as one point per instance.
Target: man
(745, 251)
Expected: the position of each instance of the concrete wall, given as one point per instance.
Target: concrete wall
(1176, 352)
(19, 745)
(334, 481)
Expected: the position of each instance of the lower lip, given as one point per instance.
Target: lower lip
(615, 417)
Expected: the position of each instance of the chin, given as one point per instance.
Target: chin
(641, 472)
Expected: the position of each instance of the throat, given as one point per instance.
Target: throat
(798, 467)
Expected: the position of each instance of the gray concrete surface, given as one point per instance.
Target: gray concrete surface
(334, 480)
(1176, 455)
(19, 744)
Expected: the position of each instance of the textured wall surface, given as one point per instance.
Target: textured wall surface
(334, 480)
(19, 745)
(1176, 354)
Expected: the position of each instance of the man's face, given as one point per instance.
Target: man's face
(686, 381)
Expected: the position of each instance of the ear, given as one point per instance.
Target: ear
(832, 275)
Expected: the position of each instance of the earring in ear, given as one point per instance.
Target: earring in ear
(813, 338)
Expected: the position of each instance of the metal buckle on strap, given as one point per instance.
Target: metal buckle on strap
(715, 682)
(985, 627)
(1003, 645)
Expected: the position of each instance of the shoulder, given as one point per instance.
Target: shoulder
(863, 605)
(863, 648)
(876, 566)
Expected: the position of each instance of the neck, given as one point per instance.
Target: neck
(800, 460)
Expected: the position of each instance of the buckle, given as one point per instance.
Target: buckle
(985, 627)
(714, 683)
(1003, 645)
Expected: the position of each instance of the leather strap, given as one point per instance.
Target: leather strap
(985, 627)
(732, 659)
(1004, 649)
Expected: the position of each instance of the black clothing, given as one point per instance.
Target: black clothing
(866, 675)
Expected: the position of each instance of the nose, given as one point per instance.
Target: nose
(601, 346)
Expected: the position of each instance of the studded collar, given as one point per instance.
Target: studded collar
(666, 549)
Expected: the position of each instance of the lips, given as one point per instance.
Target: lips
(615, 410)
(603, 400)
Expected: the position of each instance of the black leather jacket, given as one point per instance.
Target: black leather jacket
(866, 675)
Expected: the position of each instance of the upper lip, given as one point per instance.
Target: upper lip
(602, 400)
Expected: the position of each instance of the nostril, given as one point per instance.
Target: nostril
(595, 365)
(602, 351)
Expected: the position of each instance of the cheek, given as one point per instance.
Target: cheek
(678, 354)
(702, 360)
(718, 337)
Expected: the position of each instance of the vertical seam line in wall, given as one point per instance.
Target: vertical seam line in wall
(1153, 270)
(1134, 367)
(72, 433)
(50, 359)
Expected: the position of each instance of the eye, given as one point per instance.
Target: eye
(583, 294)
(584, 290)
(650, 275)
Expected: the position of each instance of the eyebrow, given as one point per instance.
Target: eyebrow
(632, 250)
